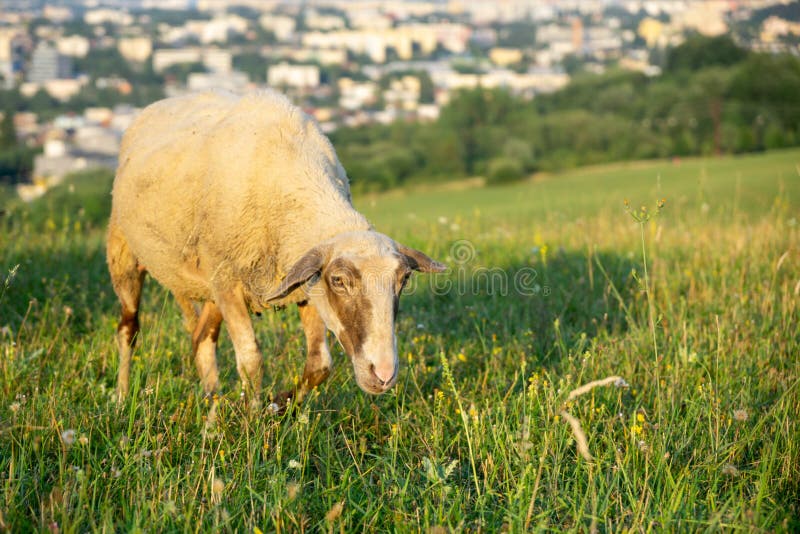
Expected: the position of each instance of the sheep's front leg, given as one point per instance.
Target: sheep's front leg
(240, 328)
(318, 362)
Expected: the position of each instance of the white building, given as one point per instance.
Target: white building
(218, 60)
(95, 139)
(48, 64)
(525, 84)
(509, 10)
(403, 39)
(98, 115)
(221, 27)
(136, 49)
(73, 46)
(214, 59)
(369, 19)
(707, 17)
(323, 56)
(356, 95)
(298, 76)
(236, 82)
(428, 112)
(57, 14)
(318, 21)
(165, 58)
(95, 17)
(64, 88)
(599, 39)
(7, 37)
(403, 93)
(216, 30)
(175, 5)
(280, 25)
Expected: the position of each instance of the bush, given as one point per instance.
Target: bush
(504, 171)
(16, 163)
(521, 151)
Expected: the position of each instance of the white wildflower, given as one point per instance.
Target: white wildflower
(741, 415)
(68, 437)
(730, 470)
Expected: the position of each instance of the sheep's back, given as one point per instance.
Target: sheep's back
(214, 185)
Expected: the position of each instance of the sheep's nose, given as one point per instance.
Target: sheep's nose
(384, 373)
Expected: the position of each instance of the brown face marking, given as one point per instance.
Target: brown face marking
(350, 305)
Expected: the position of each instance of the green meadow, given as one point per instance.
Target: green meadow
(680, 280)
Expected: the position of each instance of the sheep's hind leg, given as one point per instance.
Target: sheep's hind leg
(204, 346)
(318, 362)
(127, 277)
(189, 311)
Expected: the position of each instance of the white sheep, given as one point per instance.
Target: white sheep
(238, 204)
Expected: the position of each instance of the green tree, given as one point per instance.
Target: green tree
(768, 82)
(253, 64)
(520, 151)
(753, 104)
(105, 62)
(8, 134)
(427, 91)
(181, 71)
(470, 115)
(698, 52)
(519, 34)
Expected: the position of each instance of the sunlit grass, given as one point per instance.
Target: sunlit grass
(704, 437)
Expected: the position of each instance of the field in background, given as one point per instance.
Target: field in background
(547, 292)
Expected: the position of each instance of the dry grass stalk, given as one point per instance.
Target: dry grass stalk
(581, 442)
(580, 436)
(334, 512)
(616, 380)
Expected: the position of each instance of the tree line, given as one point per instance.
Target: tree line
(712, 98)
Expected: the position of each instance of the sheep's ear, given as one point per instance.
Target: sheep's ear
(306, 267)
(419, 261)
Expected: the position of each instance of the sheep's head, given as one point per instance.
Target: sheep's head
(354, 280)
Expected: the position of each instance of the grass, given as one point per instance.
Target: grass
(473, 437)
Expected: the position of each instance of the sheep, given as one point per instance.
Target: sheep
(238, 204)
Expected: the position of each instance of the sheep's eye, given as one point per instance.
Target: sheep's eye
(337, 281)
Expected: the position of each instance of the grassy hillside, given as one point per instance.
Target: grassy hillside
(548, 290)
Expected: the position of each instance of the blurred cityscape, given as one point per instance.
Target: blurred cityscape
(74, 73)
